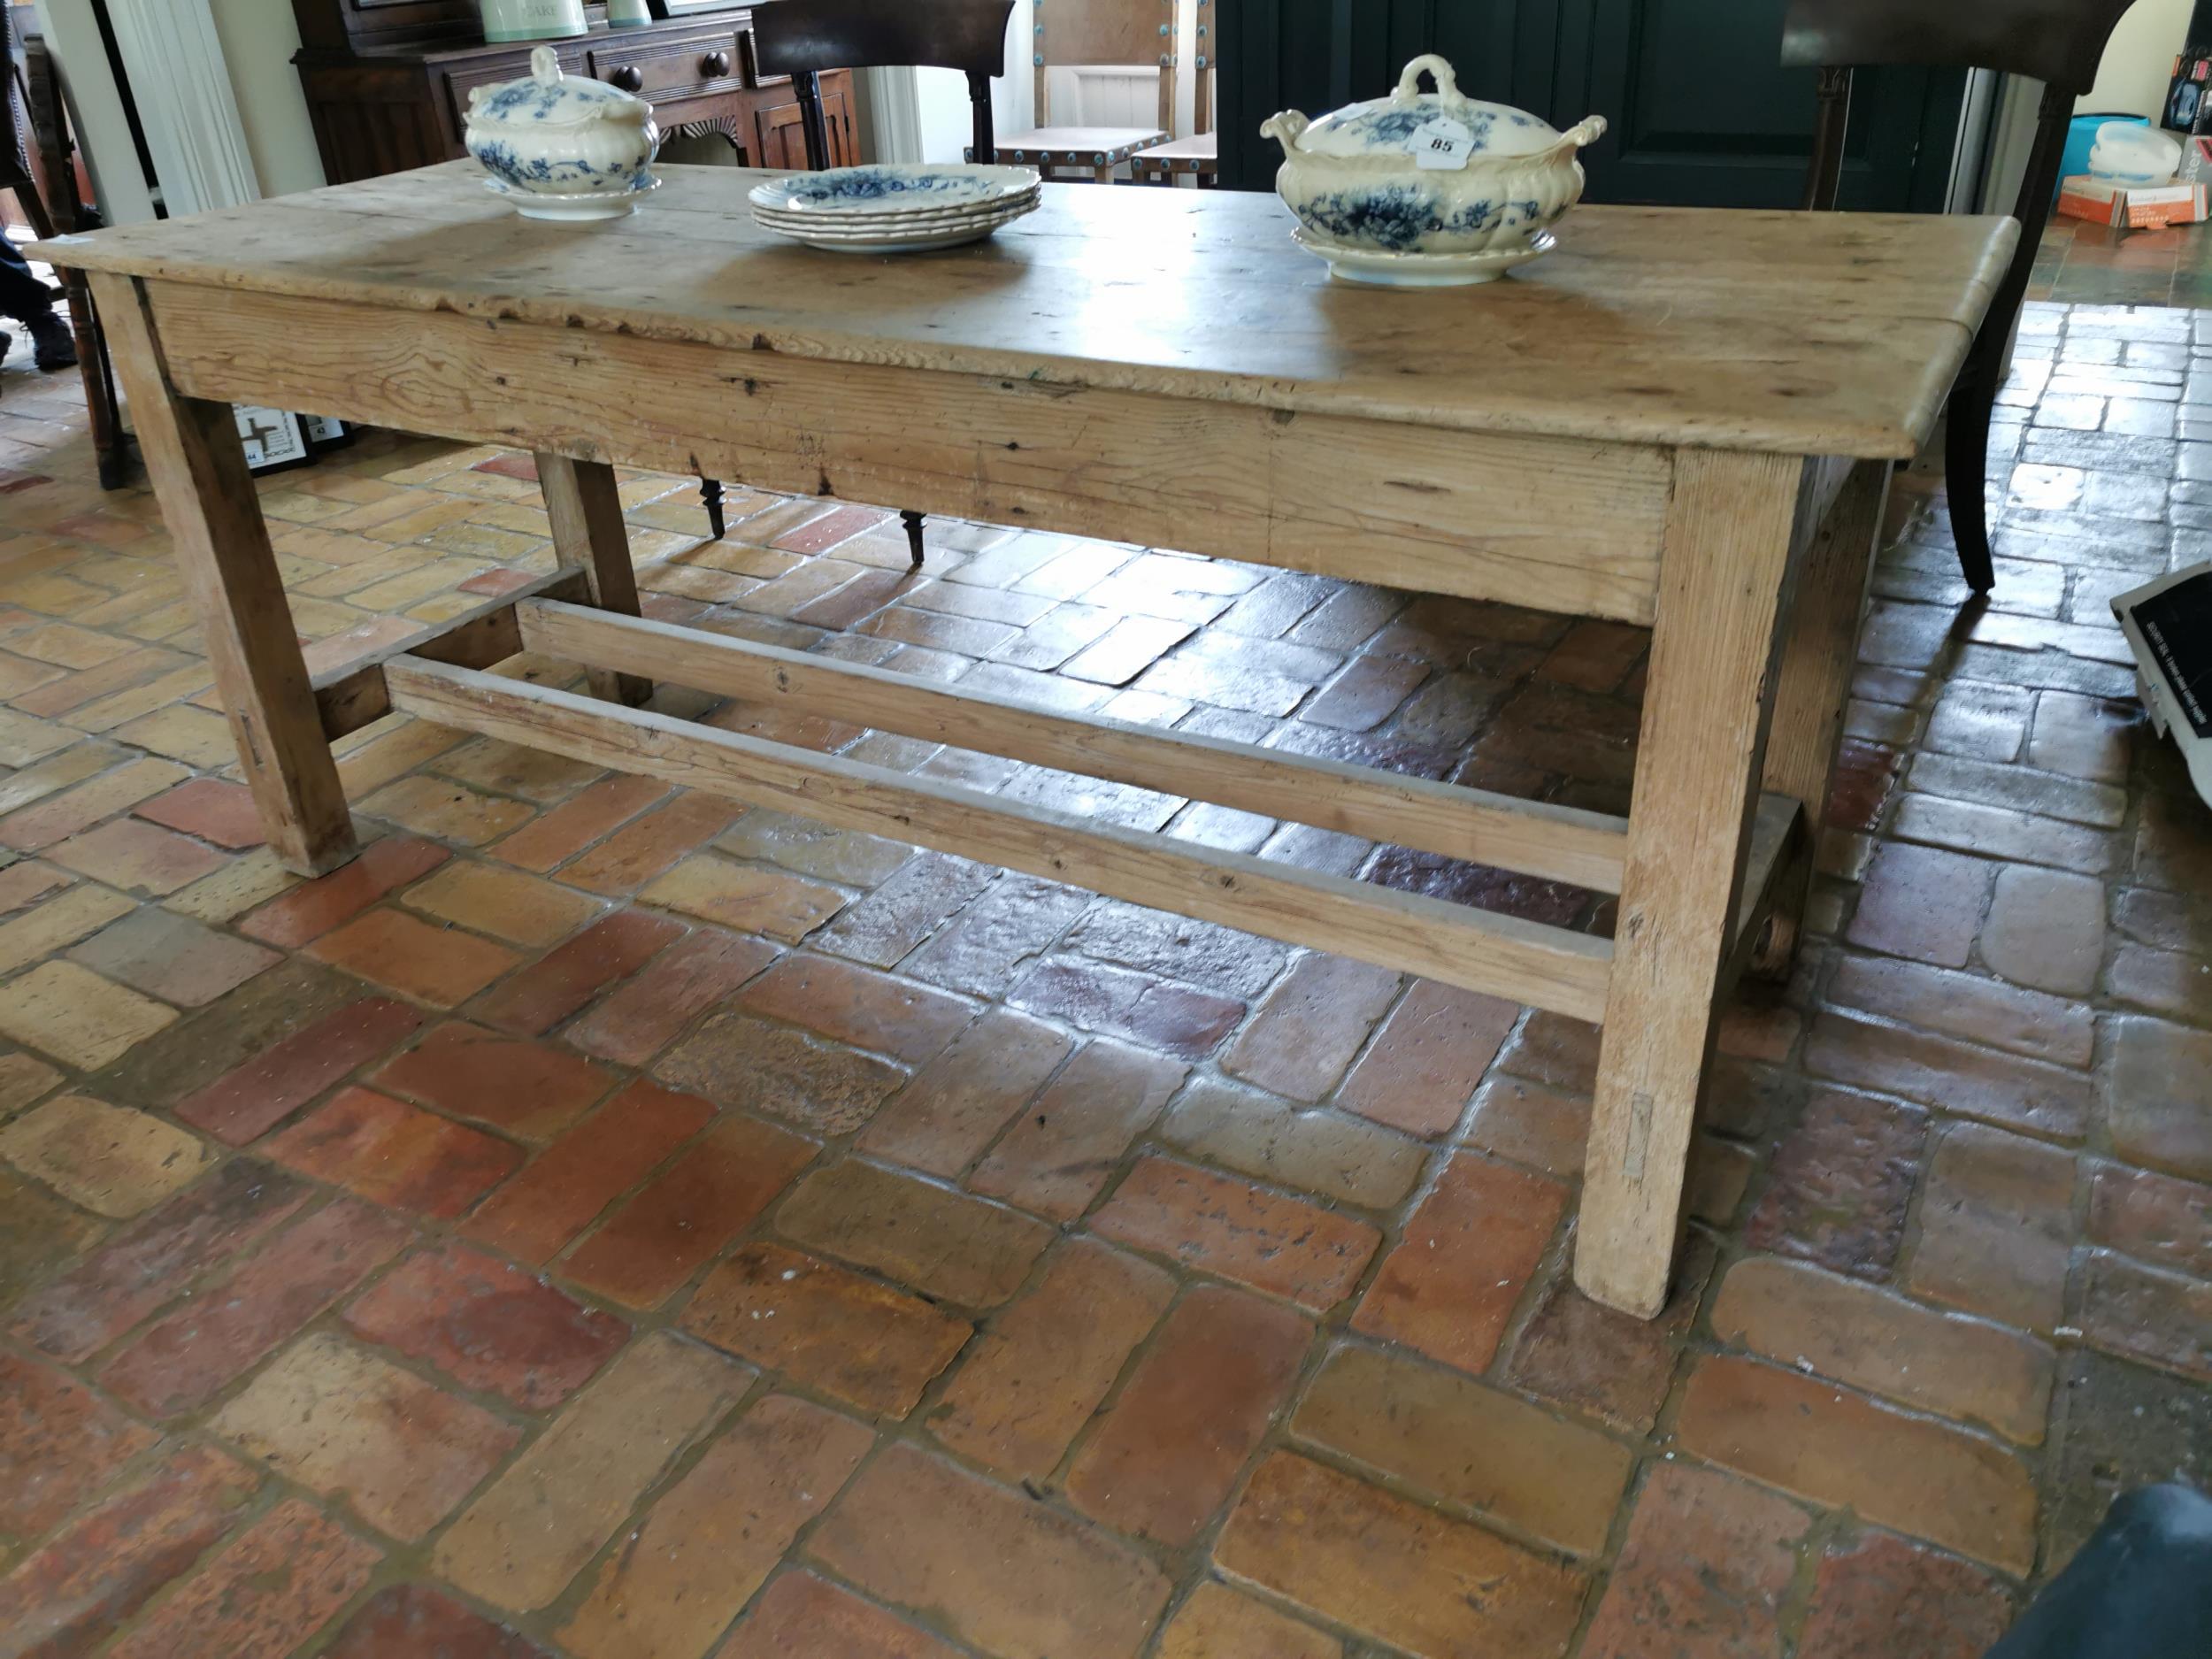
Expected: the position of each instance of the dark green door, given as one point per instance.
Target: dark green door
(1700, 112)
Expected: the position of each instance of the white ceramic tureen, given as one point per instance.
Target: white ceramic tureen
(1423, 188)
(564, 146)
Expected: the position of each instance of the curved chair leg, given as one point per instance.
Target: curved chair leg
(913, 522)
(1966, 471)
(710, 495)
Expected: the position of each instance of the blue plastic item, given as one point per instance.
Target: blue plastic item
(2081, 133)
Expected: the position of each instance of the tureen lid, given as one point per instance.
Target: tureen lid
(548, 98)
(1410, 121)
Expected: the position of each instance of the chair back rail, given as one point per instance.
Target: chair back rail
(805, 38)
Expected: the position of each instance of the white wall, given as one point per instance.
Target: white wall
(259, 37)
(2139, 61)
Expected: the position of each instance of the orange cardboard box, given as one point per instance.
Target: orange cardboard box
(2130, 206)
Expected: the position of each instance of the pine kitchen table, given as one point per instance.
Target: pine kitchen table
(1683, 419)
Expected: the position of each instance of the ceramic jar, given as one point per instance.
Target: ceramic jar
(1428, 172)
(555, 135)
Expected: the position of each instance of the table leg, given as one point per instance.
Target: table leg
(584, 505)
(1713, 650)
(208, 500)
(1813, 690)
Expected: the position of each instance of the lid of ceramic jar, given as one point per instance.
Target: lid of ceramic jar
(1402, 123)
(548, 99)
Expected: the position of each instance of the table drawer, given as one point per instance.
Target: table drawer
(669, 68)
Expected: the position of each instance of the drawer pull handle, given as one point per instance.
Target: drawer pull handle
(629, 77)
(716, 63)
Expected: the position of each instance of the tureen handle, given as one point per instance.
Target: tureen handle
(545, 64)
(1285, 128)
(1447, 82)
(1589, 130)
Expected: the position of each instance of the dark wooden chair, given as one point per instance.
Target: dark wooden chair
(2056, 41)
(805, 38)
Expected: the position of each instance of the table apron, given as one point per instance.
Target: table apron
(1560, 525)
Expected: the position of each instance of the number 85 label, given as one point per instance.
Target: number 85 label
(1443, 146)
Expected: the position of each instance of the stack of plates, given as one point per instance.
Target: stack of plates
(894, 209)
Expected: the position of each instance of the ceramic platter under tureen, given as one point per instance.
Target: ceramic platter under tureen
(1427, 189)
(894, 209)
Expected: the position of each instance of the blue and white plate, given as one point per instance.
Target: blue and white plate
(879, 191)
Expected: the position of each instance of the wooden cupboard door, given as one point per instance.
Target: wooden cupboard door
(781, 140)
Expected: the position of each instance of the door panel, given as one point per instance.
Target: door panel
(779, 139)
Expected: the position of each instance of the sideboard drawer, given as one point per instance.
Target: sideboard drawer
(682, 67)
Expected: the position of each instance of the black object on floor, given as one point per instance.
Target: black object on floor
(2140, 1589)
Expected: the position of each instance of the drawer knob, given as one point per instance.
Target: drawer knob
(629, 77)
(716, 63)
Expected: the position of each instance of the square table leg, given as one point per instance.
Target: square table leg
(1812, 691)
(584, 504)
(213, 511)
(1714, 642)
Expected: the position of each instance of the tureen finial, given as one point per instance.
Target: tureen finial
(545, 64)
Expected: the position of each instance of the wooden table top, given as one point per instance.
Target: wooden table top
(1803, 333)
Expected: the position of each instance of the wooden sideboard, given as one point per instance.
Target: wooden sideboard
(387, 82)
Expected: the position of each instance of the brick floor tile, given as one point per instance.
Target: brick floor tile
(1995, 1227)
(802, 1617)
(489, 1326)
(944, 1243)
(1469, 1444)
(65, 1598)
(805, 848)
(137, 856)
(535, 1527)
(745, 896)
(2155, 1095)
(173, 957)
(521, 909)
(1202, 953)
(1310, 1025)
(1530, 1122)
(531, 1003)
(22, 1081)
(2146, 1313)
(1552, 1048)
(1798, 1315)
(1606, 1364)
(1922, 903)
(394, 1154)
(1842, 1449)
(1426, 1060)
(1217, 1623)
(1882, 1598)
(1987, 1012)
(858, 1006)
(566, 1187)
(1167, 1454)
(1325, 1153)
(897, 917)
(74, 810)
(59, 1440)
(1394, 1569)
(912, 1526)
(645, 1014)
(420, 1622)
(1363, 696)
(1997, 832)
(144, 1266)
(713, 1538)
(209, 808)
(647, 846)
(1149, 1011)
(250, 1099)
(61, 920)
(274, 1586)
(110, 1159)
(2045, 929)
(40, 1233)
(562, 832)
(1839, 1185)
(825, 1087)
(2155, 1219)
(1238, 1231)
(2123, 1425)
(79, 1018)
(2163, 981)
(530, 1089)
(956, 1104)
(2004, 1089)
(865, 1343)
(444, 811)
(1061, 1149)
(403, 954)
(1704, 1570)
(400, 1452)
(1467, 1252)
(184, 1359)
(684, 1216)
(1038, 1373)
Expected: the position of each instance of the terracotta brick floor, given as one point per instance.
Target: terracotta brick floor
(609, 1223)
